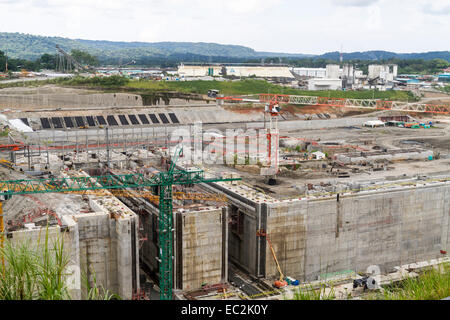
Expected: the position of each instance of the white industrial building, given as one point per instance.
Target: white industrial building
(385, 72)
(310, 72)
(238, 71)
(331, 81)
(324, 84)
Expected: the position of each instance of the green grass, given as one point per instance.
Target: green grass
(445, 89)
(244, 87)
(34, 271)
(310, 293)
(4, 133)
(432, 284)
(260, 86)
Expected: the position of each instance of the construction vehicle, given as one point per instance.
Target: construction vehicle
(213, 93)
(281, 282)
(163, 180)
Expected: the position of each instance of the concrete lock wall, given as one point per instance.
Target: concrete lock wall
(201, 255)
(200, 246)
(109, 248)
(314, 237)
(70, 100)
(242, 246)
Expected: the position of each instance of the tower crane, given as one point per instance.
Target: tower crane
(165, 180)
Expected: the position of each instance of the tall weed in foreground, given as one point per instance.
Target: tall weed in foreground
(314, 294)
(34, 271)
(97, 292)
(37, 271)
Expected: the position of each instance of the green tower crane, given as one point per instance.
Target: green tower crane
(164, 180)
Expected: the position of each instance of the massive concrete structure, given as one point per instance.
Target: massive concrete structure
(102, 244)
(69, 100)
(200, 244)
(346, 231)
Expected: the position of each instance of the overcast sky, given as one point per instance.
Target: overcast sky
(295, 26)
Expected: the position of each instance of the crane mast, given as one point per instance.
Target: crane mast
(164, 180)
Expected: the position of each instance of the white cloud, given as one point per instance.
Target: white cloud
(354, 3)
(437, 7)
(374, 20)
(296, 26)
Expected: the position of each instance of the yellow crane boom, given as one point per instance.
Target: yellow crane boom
(281, 282)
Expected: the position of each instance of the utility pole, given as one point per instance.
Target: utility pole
(6, 61)
(29, 160)
(107, 147)
(87, 147)
(2, 235)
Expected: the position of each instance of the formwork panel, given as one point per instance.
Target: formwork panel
(174, 118)
(101, 120)
(112, 121)
(69, 123)
(90, 121)
(143, 118)
(45, 123)
(153, 118)
(133, 119)
(79, 121)
(163, 118)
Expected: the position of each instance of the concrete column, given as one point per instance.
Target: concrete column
(445, 220)
(127, 278)
(72, 240)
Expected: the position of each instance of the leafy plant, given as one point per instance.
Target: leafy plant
(310, 293)
(34, 271)
(38, 271)
(95, 292)
(433, 284)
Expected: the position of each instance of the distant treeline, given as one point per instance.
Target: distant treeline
(48, 61)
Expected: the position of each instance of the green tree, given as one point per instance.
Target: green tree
(47, 61)
(84, 57)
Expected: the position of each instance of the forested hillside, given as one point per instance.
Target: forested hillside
(31, 47)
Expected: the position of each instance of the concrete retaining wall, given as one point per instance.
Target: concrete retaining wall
(96, 246)
(312, 237)
(380, 228)
(200, 246)
(70, 100)
(413, 155)
(202, 249)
